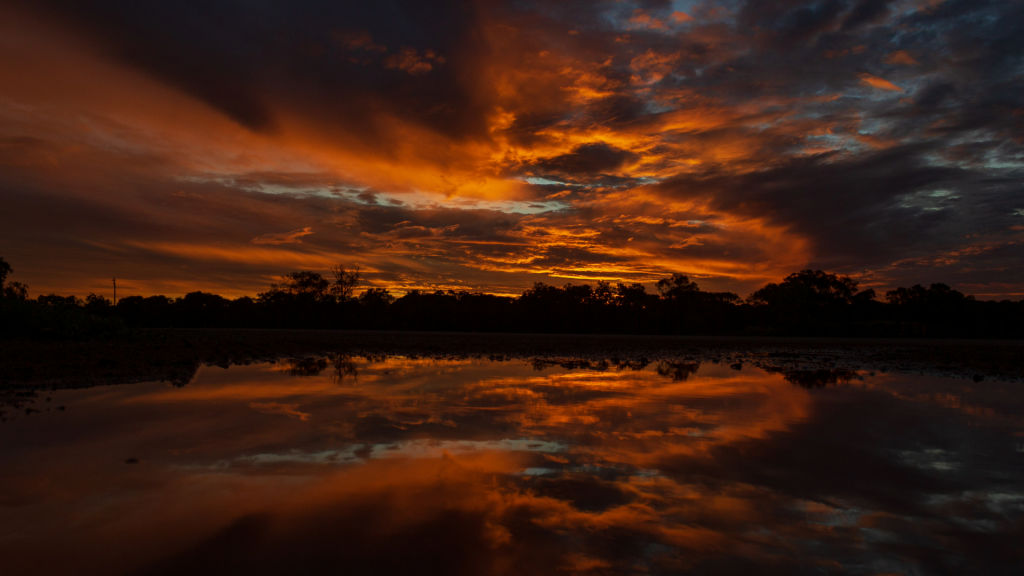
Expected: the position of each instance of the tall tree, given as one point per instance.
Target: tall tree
(345, 281)
(5, 270)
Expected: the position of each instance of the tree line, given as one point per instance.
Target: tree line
(805, 303)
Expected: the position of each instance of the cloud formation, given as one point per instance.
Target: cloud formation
(504, 143)
(293, 237)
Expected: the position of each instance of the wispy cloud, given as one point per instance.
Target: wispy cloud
(880, 83)
(293, 237)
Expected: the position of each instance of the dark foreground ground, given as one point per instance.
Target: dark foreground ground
(175, 355)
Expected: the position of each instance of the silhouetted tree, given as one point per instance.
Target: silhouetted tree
(59, 301)
(936, 308)
(809, 302)
(11, 290)
(151, 311)
(15, 291)
(301, 285)
(634, 296)
(5, 271)
(936, 296)
(345, 282)
(676, 286)
(201, 309)
(686, 309)
(604, 294)
(376, 297)
(374, 304)
(96, 304)
(809, 287)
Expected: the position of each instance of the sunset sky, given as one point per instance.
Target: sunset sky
(485, 145)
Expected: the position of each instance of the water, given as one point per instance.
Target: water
(413, 466)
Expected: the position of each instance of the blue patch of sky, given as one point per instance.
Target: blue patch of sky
(930, 200)
(727, 9)
(833, 142)
(544, 182)
(539, 471)
(529, 207)
(271, 188)
(407, 200)
(996, 161)
(656, 107)
(422, 201)
(619, 18)
(686, 5)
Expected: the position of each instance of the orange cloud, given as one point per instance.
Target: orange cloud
(293, 237)
(900, 57)
(880, 83)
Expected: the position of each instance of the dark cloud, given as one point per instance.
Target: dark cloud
(368, 197)
(933, 96)
(344, 59)
(866, 12)
(586, 159)
(806, 21)
(866, 210)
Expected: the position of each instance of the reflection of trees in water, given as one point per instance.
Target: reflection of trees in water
(17, 399)
(678, 372)
(344, 368)
(541, 364)
(306, 366)
(636, 364)
(819, 378)
(344, 365)
(602, 366)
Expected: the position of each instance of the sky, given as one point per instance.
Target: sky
(486, 145)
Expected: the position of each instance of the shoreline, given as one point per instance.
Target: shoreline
(175, 354)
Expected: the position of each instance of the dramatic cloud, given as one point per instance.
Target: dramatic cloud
(488, 145)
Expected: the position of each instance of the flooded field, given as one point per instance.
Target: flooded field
(373, 465)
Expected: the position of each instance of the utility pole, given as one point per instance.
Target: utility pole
(115, 291)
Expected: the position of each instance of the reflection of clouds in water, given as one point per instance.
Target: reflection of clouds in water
(278, 408)
(475, 467)
(408, 449)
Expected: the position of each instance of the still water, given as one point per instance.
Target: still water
(476, 467)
